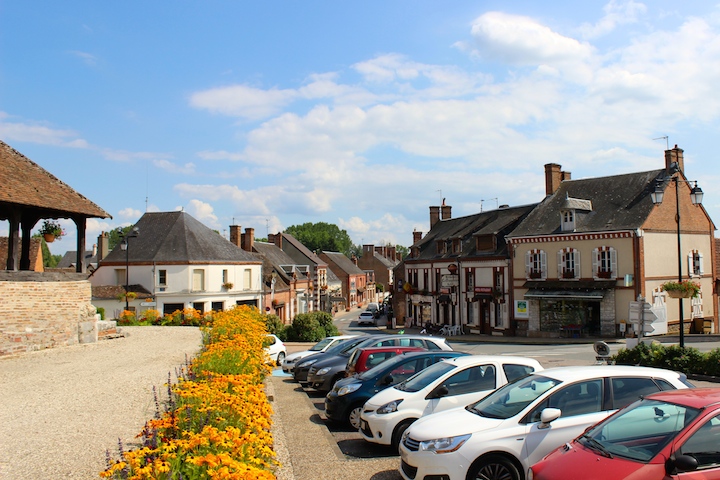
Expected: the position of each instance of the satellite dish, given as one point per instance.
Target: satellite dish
(602, 349)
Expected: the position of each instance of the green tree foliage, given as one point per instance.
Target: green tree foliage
(403, 251)
(310, 327)
(322, 236)
(115, 237)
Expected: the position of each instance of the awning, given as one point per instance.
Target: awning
(482, 296)
(445, 298)
(564, 294)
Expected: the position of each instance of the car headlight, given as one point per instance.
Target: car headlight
(345, 389)
(444, 444)
(322, 371)
(389, 407)
(290, 360)
(307, 363)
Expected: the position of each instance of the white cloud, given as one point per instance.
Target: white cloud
(38, 133)
(187, 169)
(243, 101)
(523, 41)
(203, 212)
(616, 13)
(87, 58)
(130, 214)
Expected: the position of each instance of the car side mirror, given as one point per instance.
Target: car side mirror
(682, 463)
(439, 392)
(548, 415)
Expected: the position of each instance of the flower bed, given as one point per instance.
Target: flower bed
(217, 423)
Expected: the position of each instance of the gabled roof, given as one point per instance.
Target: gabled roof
(177, 237)
(344, 263)
(390, 264)
(274, 259)
(303, 249)
(619, 202)
(27, 184)
(68, 260)
(492, 223)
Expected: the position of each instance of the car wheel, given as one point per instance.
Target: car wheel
(353, 415)
(494, 467)
(398, 433)
(281, 357)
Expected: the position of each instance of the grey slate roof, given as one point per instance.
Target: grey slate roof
(303, 249)
(68, 260)
(273, 259)
(497, 222)
(390, 264)
(344, 263)
(177, 237)
(619, 202)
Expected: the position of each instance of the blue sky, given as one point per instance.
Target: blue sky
(360, 114)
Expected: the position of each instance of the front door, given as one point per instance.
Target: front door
(485, 326)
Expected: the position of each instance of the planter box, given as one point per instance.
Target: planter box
(678, 294)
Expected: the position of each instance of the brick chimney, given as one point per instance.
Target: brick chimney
(446, 211)
(248, 239)
(674, 155)
(275, 239)
(235, 235)
(94, 250)
(553, 177)
(417, 236)
(354, 260)
(434, 216)
(103, 246)
(392, 253)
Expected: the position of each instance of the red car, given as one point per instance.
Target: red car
(364, 359)
(668, 435)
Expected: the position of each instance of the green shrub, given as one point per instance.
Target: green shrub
(101, 311)
(276, 326)
(305, 328)
(688, 360)
(326, 322)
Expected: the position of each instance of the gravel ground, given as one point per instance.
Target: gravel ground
(63, 408)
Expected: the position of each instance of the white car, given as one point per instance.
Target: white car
(506, 432)
(366, 318)
(291, 360)
(451, 383)
(275, 348)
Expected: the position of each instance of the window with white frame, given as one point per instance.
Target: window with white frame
(536, 264)
(569, 263)
(247, 277)
(605, 262)
(162, 277)
(224, 276)
(568, 220)
(695, 263)
(198, 280)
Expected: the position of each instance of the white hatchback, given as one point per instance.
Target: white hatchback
(448, 384)
(275, 349)
(515, 426)
(328, 342)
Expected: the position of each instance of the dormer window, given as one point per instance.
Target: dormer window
(457, 245)
(441, 247)
(568, 220)
(485, 243)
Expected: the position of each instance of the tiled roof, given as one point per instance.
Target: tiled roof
(619, 202)
(496, 223)
(344, 263)
(177, 237)
(25, 183)
(303, 249)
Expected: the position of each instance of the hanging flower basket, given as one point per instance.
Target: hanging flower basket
(50, 230)
(684, 289)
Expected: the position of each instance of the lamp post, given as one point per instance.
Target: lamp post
(696, 195)
(124, 246)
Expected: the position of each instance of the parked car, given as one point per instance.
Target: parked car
(667, 435)
(301, 370)
(275, 348)
(345, 401)
(324, 373)
(366, 318)
(323, 345)
(450, 383)
(518, 424)
(365, 358)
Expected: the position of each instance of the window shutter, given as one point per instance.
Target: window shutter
(613, 262)
(528, 262)
(691, 267)
(702, 269)
(596, 261)
(576, 265)
(560, 263)
(543, 264)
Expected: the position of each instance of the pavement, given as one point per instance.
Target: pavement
(308, 451)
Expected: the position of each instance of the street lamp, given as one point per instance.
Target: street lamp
(124, 246)
(696, 195)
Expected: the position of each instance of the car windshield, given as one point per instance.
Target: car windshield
(511, 399)
(425, 377)
(321, 344)
(380, 367)
(640, 431)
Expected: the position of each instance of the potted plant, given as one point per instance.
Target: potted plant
(535, 274)
(568, 274)
(51, 230)
(227, 285)
(683, 289)
(604, 274)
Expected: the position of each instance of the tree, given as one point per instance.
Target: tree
(322, 236)
(114, 236)
(403, 251)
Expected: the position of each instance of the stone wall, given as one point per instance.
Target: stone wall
(44, 310)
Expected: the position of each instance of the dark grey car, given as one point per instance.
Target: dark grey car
(325, 372)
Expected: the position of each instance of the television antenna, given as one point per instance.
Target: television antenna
(667, 144)
(496, 203)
